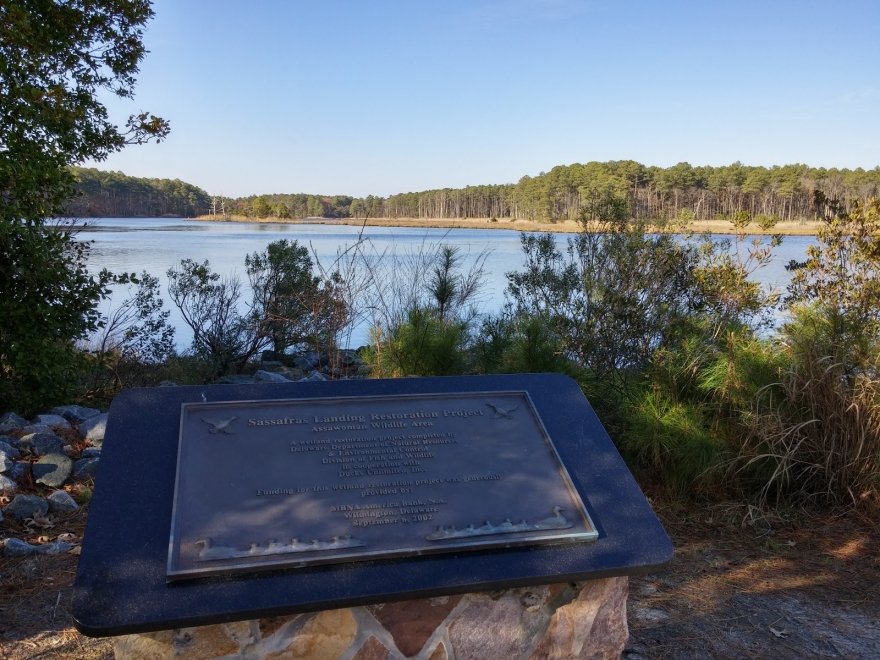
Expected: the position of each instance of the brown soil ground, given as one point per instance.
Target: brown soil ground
(711, 226)
(742, 585)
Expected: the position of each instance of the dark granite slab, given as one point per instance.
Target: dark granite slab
(122, 586)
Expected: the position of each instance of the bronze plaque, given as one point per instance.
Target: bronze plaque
(297, 482)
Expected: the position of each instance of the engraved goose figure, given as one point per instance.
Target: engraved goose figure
(275, 547)
(219, 425)
(557, 521)
(208, 551)
(506, 413)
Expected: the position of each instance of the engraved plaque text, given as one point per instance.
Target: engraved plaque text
(291, 483)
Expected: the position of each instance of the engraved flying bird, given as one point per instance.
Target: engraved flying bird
(219, 425)
(507, 413)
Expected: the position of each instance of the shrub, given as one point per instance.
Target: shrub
(673, 440)
(841, 276)
(663, 330)
(291, 307)
(426, 345)
(510, 344)
(133, 343)
(423, 316)
(613, 297)
(209, 305)
(48, 302)
(817, 435)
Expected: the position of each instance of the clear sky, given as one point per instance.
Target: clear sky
(369, 97)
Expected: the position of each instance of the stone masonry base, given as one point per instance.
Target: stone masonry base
(577, 620)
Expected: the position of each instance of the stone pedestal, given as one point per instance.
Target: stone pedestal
(577, 620)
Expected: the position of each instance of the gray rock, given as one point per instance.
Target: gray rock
(236, 379)
(26, 506)
(349, 358)
(92, 430)
(23, 447)
(75, 414)
(286, 359)
(19, 472)
(6, 462)
(308, 360)
(54, 548)
(85, 468)
(17, 548)
(10, 422)
(47, 443)
(61, 502)
(35, 428)
(291, 373)
(14, 442)
(315, 376)
(90, 452)
(52, 470)
(8, 449)
(7, 485)
(271, 365)
(262, 376)
(14, 547)
(51, 420)
(41, 444)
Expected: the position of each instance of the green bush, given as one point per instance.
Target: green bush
(291, 307)
(425, 345)
(841, 278)
(662, 332)
(816, 437)
(48, 302)
(612, 298)
(673, 440)
(424, 316)
(519, 345)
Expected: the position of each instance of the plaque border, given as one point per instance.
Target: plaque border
(175, 574)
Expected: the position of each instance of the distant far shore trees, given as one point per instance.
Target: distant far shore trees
(682, 191)
(115, 195)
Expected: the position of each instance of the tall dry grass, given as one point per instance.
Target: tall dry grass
(816, 437)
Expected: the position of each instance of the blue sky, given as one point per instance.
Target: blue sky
(371, 97)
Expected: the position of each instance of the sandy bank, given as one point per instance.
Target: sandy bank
(568, 226)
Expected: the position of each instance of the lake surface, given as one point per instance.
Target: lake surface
(157, 244)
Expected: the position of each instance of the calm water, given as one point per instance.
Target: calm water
(156, 244)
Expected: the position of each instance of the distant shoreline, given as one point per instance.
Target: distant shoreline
(565, 227)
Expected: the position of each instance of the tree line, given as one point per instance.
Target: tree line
(682, 191)
(285, 206)
(113, 194)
